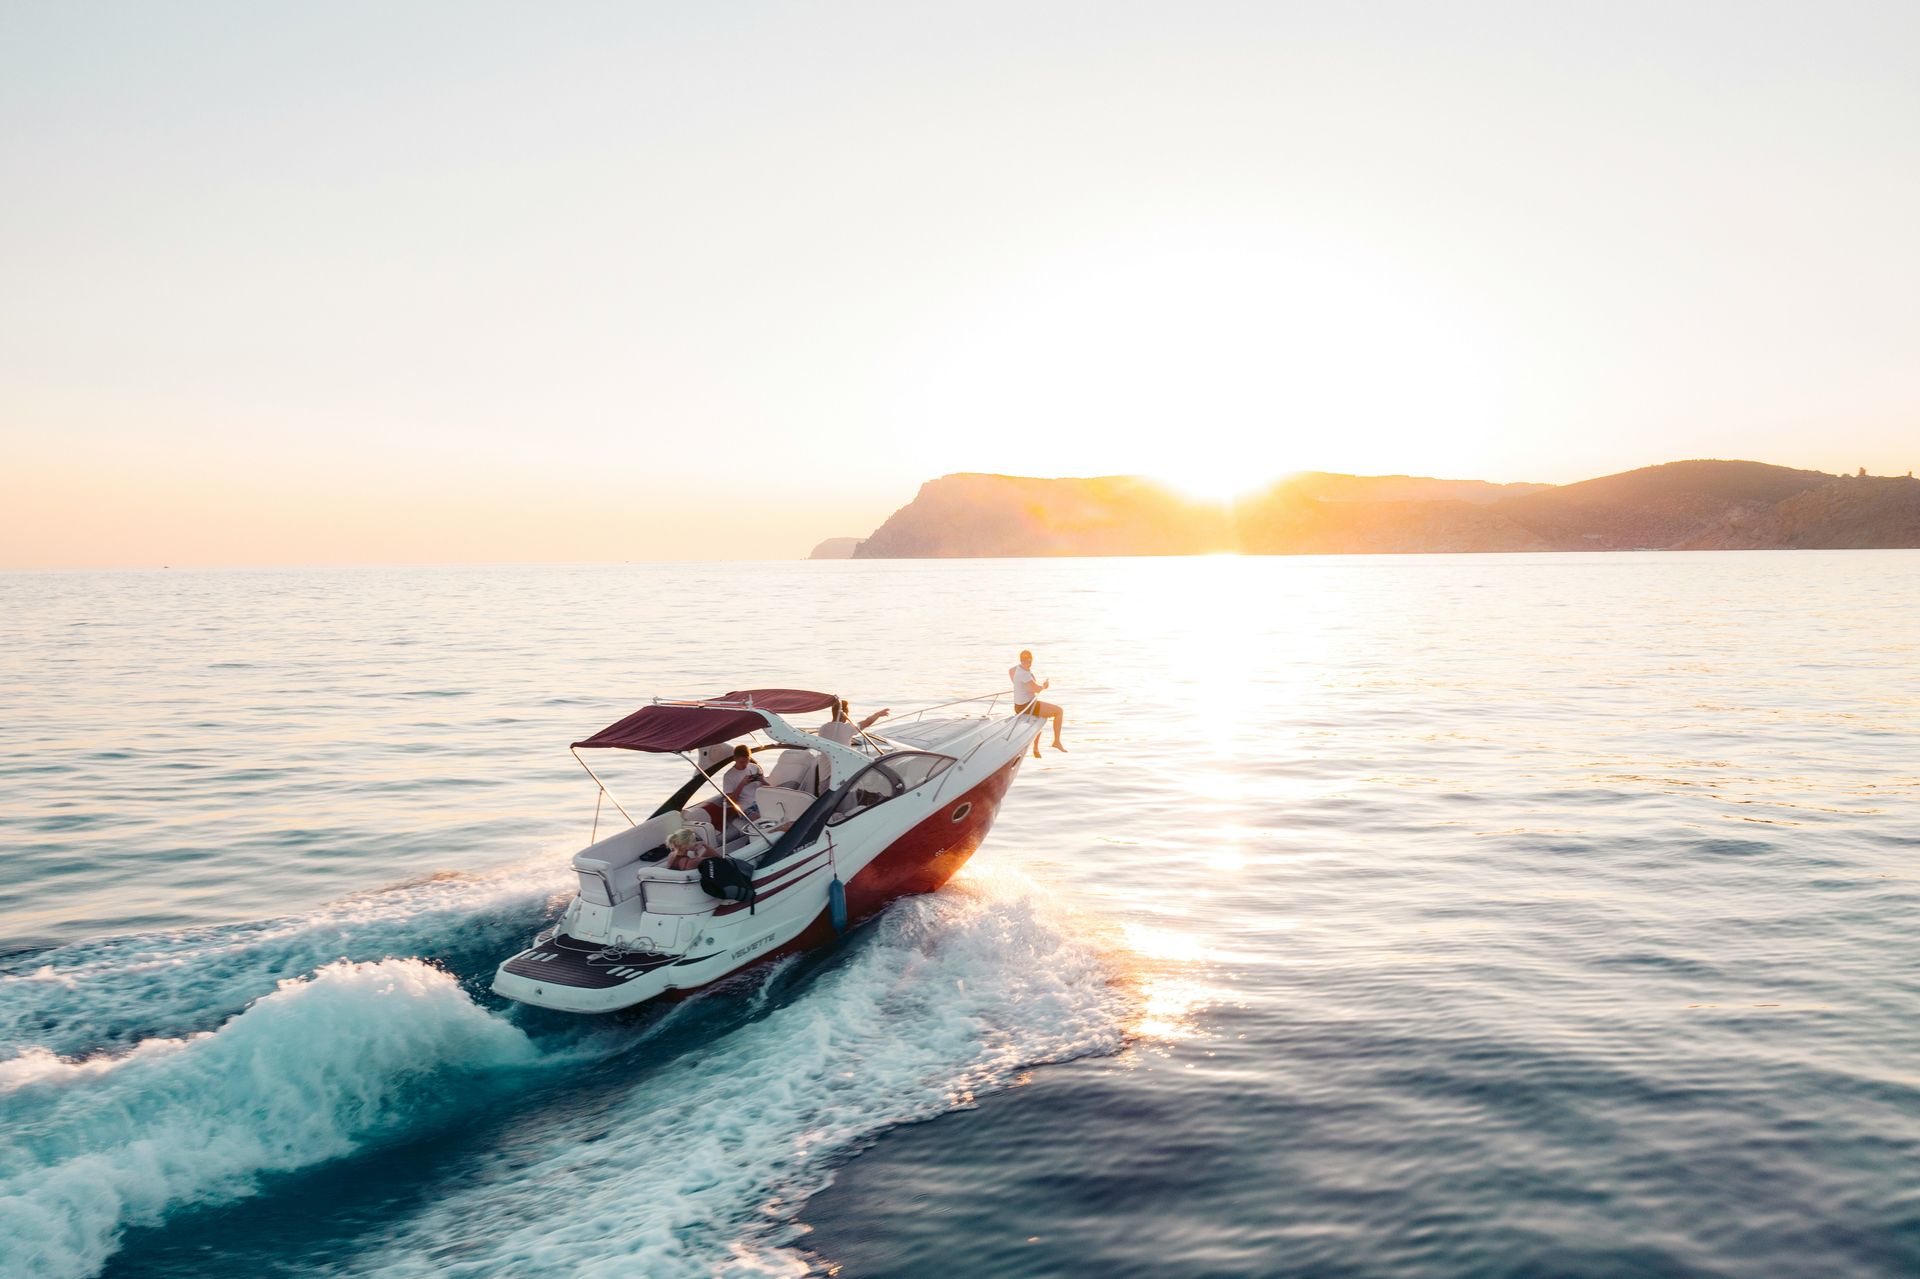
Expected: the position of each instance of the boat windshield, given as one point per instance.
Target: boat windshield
(915, 767)
(886, 779)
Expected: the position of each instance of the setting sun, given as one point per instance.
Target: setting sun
(1212, 361)
(1214, 481)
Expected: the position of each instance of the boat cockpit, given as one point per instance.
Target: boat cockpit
(812, 783)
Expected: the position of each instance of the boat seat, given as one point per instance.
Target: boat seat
(782, 804)
(607, 862)
(677, 892)
(659, 874)
(799, 770)
(697, 821)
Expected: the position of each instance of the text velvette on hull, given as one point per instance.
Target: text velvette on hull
(844, 821)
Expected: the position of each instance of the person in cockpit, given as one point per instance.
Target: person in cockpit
(742, 784)
(841, 727)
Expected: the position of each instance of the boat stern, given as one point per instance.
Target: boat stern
(574, 976)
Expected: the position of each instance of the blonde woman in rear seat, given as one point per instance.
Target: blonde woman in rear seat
(686, 850)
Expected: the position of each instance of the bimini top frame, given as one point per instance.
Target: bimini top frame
(676, 726)
(669, 726)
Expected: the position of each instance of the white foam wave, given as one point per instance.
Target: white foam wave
(311, 1072)
(699, 1168)
(124, 990)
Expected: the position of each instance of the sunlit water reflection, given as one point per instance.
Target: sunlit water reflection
(1424, 915)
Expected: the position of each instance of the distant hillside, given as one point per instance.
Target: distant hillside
(1868, 512)
(1680, 505)
(835, 548)
(1283, 523)
(1328, 486)
(1656, 506)
(971, 515)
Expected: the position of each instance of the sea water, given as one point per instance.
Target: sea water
(1419, 916)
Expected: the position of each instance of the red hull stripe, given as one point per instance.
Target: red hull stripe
(774, 878)
(760, 898)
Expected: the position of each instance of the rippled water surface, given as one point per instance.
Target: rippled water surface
(1429, 916)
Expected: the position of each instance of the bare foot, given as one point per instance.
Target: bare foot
(1057, 746)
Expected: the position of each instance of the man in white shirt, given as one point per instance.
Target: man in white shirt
(742, 784)
(1027, 688)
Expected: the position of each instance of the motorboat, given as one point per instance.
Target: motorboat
(846, 821)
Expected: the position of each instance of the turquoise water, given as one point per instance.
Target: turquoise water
(1502, 915)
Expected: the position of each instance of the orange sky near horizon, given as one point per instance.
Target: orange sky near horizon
(95, 516)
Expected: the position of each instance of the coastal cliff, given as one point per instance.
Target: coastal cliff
(969, 515)
(1694, 505)
(836, 548)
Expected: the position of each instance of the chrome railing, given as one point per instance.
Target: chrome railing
(989, 698)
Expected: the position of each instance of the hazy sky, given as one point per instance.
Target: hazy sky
(420, 282)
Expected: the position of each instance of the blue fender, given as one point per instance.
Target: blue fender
(837, 904)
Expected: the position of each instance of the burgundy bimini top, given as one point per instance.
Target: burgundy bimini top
(666, 729)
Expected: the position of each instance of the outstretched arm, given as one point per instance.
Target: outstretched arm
(870, 720)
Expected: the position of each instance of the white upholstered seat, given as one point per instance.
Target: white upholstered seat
(695, 820)
(799, 770)
(781, 804)
(606, 864)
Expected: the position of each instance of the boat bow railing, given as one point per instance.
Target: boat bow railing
(989, 698)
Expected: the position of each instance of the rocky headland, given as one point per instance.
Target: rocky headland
(1695, 505)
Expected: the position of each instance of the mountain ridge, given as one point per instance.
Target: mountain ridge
(1699, 504)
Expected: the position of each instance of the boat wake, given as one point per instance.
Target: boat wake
(117, 992)
(700, 1165)
(156, 1076)
(312, 1072)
